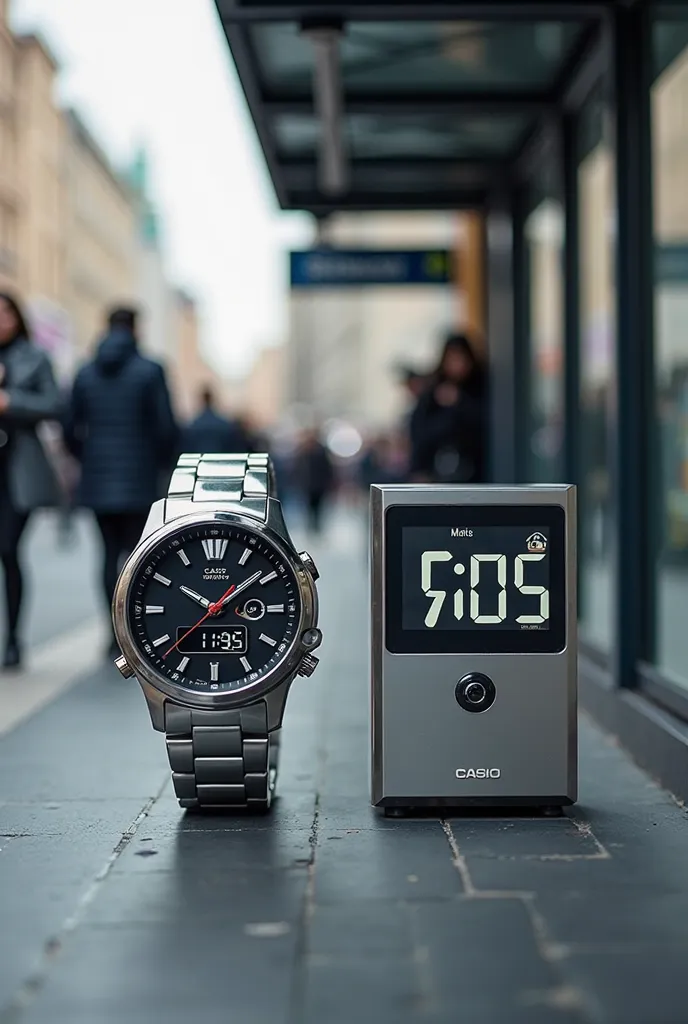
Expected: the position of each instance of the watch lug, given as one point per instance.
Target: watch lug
(156, 705)
(275, 520)
(276, 700)
(156, 518)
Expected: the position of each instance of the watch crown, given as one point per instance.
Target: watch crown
(124, 666)
(309, 564)
(308, 665)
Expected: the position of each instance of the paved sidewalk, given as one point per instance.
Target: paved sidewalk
(117, 908)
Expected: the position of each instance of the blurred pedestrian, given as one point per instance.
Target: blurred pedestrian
(28, 396)
(447, 427)
(315, 476)
(121, 428)
(212, 433)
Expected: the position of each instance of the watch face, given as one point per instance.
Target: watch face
(214, 607)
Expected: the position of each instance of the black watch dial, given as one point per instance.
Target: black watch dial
(214, 608)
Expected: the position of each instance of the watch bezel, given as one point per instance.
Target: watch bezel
(284, 669)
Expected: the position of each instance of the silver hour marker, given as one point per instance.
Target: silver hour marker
(155, 609)
(214, 671)
(267, 579)
(245, 664)
(215, 548)
(181, 667)
(245, 556)
(161, 640)
(162, 579)
(275, 608)
(184, 557)
(267, 639)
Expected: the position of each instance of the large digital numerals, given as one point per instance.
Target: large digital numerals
(476, 561)
(519, 573)
(437, 596)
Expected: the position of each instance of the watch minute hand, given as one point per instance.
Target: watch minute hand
(241, 587)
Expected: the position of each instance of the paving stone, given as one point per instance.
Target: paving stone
(383, 864)
(168, 849)
(535, 837)
(164, 974)
(69, 818)
(342, 810)
(562, 876)
(617, 917)
(190, 897)
(643, 986)
(358, 929)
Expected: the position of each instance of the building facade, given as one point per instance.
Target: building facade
(101, 236)
(156, 296)
(41, 225)
(189, 373)
(262, 396)
(10, 191)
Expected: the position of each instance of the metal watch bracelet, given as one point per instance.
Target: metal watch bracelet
(221, 758)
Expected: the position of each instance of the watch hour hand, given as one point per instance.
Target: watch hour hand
(203, 601)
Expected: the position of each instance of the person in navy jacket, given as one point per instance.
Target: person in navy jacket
(120, 427)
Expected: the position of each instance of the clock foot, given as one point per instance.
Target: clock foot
(552, 811)
(395, 812)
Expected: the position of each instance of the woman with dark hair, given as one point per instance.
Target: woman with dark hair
(447, 428)
(28, 395)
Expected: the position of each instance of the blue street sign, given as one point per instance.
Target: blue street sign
(341, 268)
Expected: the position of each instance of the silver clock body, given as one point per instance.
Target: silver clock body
(427, 750)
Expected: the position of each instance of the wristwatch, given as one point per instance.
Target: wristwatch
(215, 613)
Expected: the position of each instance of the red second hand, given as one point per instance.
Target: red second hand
(212, 609)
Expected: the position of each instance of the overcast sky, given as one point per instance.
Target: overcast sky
(159, 72)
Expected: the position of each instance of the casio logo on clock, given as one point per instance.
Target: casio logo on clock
(478, 773)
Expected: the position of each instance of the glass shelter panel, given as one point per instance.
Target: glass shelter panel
(670, 181)
(418, 57)
(597, 302)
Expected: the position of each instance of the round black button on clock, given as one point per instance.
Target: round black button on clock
(475, 692)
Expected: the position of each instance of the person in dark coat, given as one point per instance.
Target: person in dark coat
(28, 395)
(212, 433)
(315, 476)
(447, 427)
(120, 427)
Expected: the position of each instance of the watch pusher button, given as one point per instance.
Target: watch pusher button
(309, 564)
(124, 666)
(311, 638)
(308, 665)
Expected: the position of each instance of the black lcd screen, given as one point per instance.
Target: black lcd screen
(475, 579)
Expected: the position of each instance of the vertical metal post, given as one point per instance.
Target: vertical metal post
(571, 301)
(522, 341)
(502, 461)
(634, 378)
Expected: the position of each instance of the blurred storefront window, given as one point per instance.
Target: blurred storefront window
(544, 235)
(597, 298)
(670, 181)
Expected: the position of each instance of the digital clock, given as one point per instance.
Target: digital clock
(212, 640)
(473, 645)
